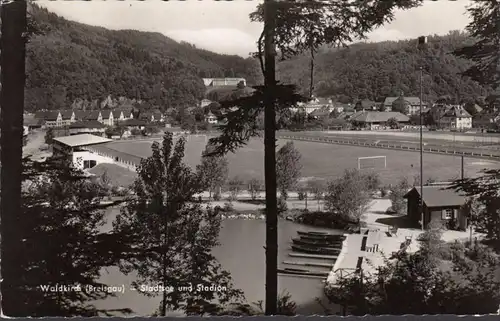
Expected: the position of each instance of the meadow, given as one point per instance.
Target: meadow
(327, 161)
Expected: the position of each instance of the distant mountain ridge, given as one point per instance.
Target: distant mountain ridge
(72, 61)
(377, 70)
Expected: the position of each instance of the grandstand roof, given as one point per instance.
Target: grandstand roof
(81, 140)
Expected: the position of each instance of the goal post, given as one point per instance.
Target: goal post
(371, 162)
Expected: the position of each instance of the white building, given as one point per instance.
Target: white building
(74, 148)
(456, 117)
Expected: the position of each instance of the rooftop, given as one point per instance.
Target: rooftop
(437, 196)
(81, 140)
(379, 116)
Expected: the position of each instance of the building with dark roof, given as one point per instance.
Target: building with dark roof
(365, 104)
(410, 105)
(87, 127)
(376, 119)
(440, 203)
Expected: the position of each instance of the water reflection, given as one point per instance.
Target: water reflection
(241, 253)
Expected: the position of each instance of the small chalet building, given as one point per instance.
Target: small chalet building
(67, 117)
(93, 115)
(440, 203)
(118, 115)
(376, 119)
(107, 117)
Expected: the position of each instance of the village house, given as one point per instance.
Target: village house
(93, 115)
(56, 118)
(486, 121)
(118, 115)
(456, 117)
(411, 105)
(440, 203)
(107, 117)
(321, 113)
(376, 119)
(365, 104)
(314, 104)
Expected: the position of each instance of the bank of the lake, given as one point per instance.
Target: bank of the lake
(241, 253)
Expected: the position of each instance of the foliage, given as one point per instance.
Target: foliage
(135, 132)
(128, 63)
(243, 123)
(49, 136)
(347, 196)
(483, 191)
(254, 188)
(485, 16)
(61, 242)
(372, 180)
(213, 171)
(440, 278)
(282, 205)
(396, 196)
(377, 70)
(286, 306)
(317, 188)
(235, 185)
(288, 168)
(393, 123)
(171, 236)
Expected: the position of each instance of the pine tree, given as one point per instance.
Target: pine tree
(485, 28)
(60, 243)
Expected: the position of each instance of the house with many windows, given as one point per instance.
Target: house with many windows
(456, 117)
(410, 105)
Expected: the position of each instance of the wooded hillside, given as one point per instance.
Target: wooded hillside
(71, 60)
(376, 70)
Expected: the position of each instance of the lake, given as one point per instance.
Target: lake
(241, 253)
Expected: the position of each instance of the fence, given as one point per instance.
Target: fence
(394, 146)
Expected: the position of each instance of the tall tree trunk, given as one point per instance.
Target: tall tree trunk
(12, 63)
(311, 70)
(270, 161)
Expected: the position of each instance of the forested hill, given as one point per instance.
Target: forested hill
(71, 61)
(376, 70)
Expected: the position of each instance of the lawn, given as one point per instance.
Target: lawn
(327, 160)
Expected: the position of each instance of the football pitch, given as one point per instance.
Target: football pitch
(327, 161)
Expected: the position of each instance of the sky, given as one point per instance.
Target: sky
(224, 26)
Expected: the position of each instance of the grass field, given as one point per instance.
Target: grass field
(326, 160)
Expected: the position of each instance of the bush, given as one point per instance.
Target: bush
(135, 132)
(282, 205)
(254, 188)
(348, 196)
(396, 197)
(217, 196)
(228, 207)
